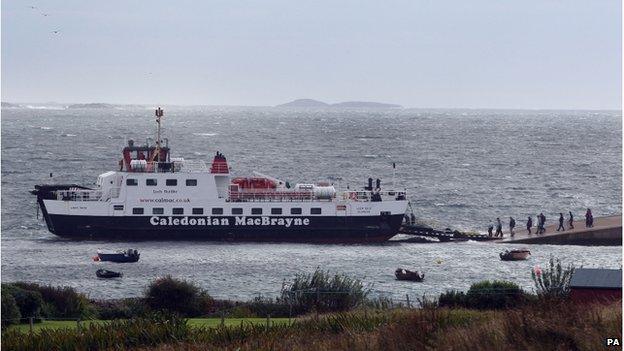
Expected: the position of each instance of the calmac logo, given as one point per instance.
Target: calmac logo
(223, 221)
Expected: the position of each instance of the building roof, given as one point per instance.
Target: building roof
(596, 278)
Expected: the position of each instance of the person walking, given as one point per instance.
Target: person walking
(490, 229)
(543, 223)
(561, 219)
(529, 224)
(589, 219)
(499, 228)
(540, 224)
(571, 222)
(512, 225)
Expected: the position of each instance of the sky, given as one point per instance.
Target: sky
(551, 54)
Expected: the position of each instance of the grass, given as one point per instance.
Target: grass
(192, 322)
(549, 325)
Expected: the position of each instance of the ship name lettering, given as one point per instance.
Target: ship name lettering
(223, 221)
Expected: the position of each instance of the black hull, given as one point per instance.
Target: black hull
(321, 229)
(117, 258)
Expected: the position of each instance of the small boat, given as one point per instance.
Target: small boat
(515, 255)
(129, 255)
(404, 274)
(103, 273)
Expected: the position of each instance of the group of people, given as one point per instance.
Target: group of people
(541, 224)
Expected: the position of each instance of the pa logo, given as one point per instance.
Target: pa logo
(612, 342)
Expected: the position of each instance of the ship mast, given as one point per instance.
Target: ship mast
(159, 115)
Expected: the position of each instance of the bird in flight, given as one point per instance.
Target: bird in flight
(56, 32)
(33, 7)
(45, 14)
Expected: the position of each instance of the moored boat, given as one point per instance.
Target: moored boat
(103, 273)
(404, 274)
(121, 256)
(515, 255)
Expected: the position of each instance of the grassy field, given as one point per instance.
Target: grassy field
(192, 322)
(542, 325)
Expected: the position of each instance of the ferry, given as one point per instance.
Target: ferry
(154, 196)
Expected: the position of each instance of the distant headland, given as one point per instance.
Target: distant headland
(310, 103)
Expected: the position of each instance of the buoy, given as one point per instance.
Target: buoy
(439, 261)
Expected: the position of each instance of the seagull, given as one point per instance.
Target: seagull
(33, 7)
(45, 14)
(56, 32)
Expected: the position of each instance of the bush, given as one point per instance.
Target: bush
(29, 302)
(119, 309)
(10, 311)
(324, 292)
(177, 296)
(494, 295)
(62, 302)
(262, 307)
(552, 282)
(452, 298)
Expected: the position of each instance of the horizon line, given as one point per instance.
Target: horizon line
(328, 107)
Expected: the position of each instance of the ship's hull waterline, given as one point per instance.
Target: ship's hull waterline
(322, 229)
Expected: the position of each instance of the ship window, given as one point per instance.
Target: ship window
(158, 210)
(237, 211)
(217, 211)
(191, 182)
(118, 207)
(132, 181)
(295, 210)
(178, 210)
(172, 182)
(151, 182)
(137, 210)
(256, 211)
(315, 210)
(198, 211)
(276, 211)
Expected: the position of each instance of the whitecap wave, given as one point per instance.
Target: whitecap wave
(205, 134)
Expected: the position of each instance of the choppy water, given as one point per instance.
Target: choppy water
(461, 168)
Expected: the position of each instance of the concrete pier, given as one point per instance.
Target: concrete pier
(607, 231)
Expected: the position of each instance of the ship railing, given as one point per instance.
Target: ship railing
(272, 196)
(372, 196)
(191, 166)
(79, 195)
(151, 167)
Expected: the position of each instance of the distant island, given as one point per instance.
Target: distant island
(92, 105)
(310, 103)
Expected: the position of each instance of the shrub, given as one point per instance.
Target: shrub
(452, 298)
(10, 311)
(494, 294)
(177, 296)
(262, 307)
(61, 301)
(324, 292)
(552, 282)
(118, 309)
(29, 302)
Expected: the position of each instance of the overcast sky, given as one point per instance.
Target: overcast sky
(476, 54)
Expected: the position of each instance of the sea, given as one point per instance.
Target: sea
(461, 169)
